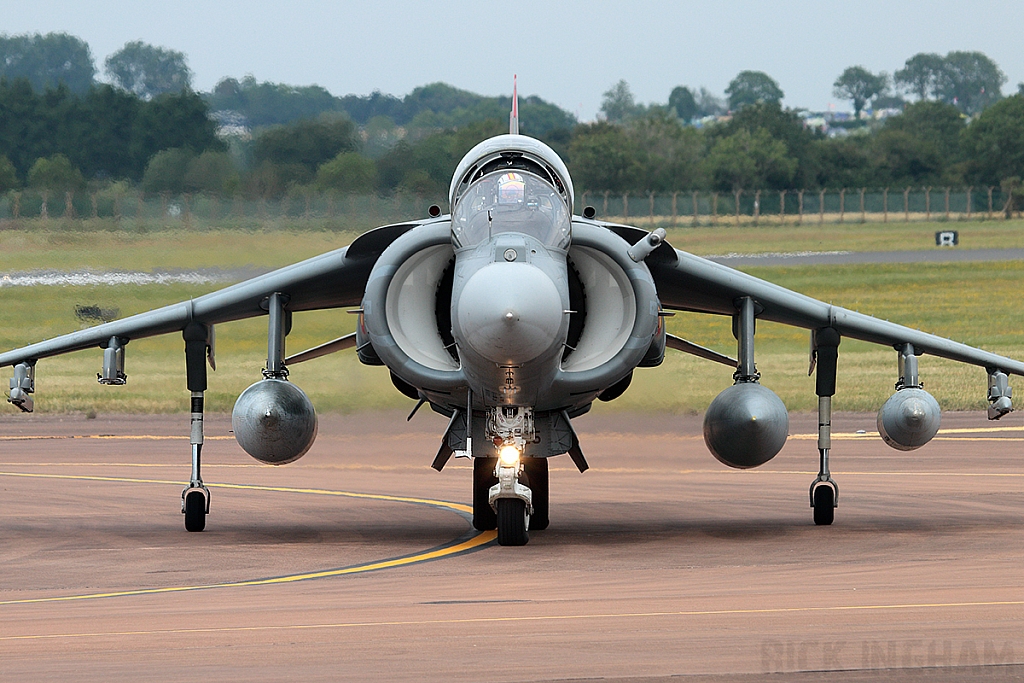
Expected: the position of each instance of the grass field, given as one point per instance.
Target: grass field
(975, 303)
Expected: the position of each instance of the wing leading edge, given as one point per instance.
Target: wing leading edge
(691, 283)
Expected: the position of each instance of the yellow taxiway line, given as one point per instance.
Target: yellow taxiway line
(480, 539)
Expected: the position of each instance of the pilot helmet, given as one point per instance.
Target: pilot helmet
(511, 189)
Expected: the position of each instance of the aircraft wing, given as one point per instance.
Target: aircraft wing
(690, 283)
(330, 280)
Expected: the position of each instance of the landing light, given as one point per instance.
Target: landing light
(509, 456)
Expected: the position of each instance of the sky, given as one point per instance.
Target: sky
(568, 52)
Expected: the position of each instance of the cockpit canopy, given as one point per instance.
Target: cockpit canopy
(511, 201)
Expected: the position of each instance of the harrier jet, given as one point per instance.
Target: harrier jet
(511, 314)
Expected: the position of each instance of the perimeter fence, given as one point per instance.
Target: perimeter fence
(681, 208)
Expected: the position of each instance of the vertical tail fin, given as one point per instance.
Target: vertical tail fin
(513, 118)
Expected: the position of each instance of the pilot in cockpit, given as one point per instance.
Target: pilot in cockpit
(511, 201)
(511, 190)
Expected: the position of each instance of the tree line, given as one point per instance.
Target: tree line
(61, 129)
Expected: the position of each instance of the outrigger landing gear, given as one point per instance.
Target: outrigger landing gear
(195, 499)
(824, 492)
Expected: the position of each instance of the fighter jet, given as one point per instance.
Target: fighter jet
(511, 314)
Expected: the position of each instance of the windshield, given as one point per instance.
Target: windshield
(511, 201)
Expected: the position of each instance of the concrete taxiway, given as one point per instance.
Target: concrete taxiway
(358, 562)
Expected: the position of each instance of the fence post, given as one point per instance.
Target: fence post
(625, 206)
(928, 203)
(69, 208)
(863, 214)
(650, 197)
(947, 203)
(990, 203)
(604, 209)
(95, 205)
(885, 205)
(696, 209)
(800, 217)
(757, 206)
(842, 204)
(714, 208)
(969, 202)
(44, 211)
(675, 213)
(906, 205)
(737, 193)
(16, 206)
(782, 207)
(821, 207)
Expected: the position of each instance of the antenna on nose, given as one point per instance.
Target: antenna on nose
(513, 118)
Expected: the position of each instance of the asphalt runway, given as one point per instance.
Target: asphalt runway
(358, 562)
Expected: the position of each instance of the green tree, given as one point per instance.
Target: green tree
(166, 171)
(348, 172)
(47, 61)
(939, 124)
(148, 71)
(994, 143)
(617, 103)
(97, 142)
(751, 161)
(8, 175)
(173, 120)
(668, 152)
(970, 80)
(902, 158)
(920, 74)
(306, 143)
(682, 103)
(55, 173)
(271, 104)
(602, 157)
(212, 172)
(845, 162)
(783, 125)
(860, 85)
(751, 87)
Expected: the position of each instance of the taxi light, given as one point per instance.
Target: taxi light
(509, 456)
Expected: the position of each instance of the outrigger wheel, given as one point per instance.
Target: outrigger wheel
(195, 511)
(824, 505)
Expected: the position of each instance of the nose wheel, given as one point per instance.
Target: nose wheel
(513, 522)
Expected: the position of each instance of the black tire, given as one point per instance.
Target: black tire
(484, 517)
(512, 522)
(195, 511)
(536, 470)
(824, 505)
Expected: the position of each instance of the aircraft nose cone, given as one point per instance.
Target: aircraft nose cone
(509, 312)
